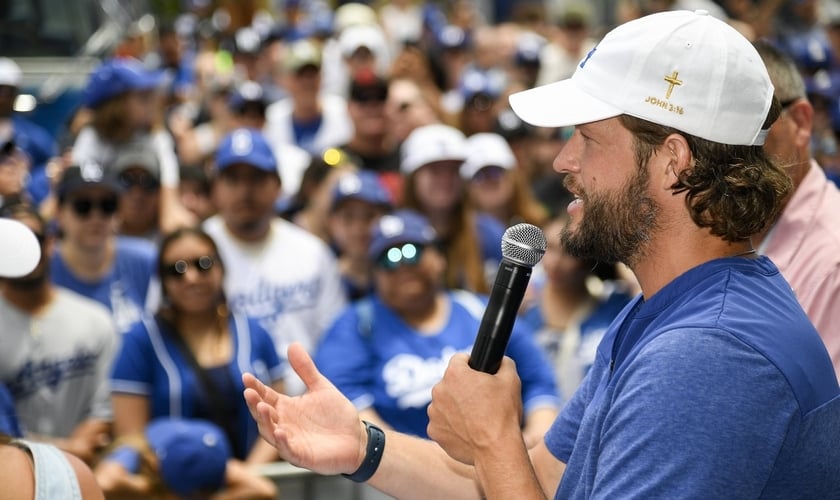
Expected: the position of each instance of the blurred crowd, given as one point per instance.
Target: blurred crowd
(244, 175)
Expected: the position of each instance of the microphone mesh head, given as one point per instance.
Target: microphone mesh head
(523, 244)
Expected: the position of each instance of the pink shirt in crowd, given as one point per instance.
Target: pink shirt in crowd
(805, 245)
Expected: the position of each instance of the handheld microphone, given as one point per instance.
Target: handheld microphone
(523, 245)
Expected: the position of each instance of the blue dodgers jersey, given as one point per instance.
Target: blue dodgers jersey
(379, 361)
(124, 289)
(151, 364)
(716, 387)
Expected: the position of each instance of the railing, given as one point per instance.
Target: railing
(295, 483)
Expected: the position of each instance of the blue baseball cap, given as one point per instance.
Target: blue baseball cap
(363, 185)
(192, 454)
(402, 226)
(246, 146)
(116, 77)
(488, 83)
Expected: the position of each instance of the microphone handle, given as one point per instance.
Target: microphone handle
(497, 322)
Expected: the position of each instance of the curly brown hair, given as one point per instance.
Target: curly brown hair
(735, 191)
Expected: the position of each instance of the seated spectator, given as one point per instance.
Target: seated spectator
(197, 128)
(481, 93)
(385, 353)
(32, 140)
(57, 350)
(32, 470)
(121, 95)
(248, 104)
(571, 309)
(138, 172)
(358, 200)
(310, 207)
(90, 259)
(308, 118)
(431, 158)
(495, 183)
(370, 143)
(188, 360)
(14, 170)
(278, 273)
(185, 457)
(42, 472)
(194, 192)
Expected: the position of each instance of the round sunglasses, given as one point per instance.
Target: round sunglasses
(178, 269)
(408, 254)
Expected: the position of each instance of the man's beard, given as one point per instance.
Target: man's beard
(615, 226)
(29, 282)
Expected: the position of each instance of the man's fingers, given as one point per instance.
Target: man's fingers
(304, 366)
(264, 392)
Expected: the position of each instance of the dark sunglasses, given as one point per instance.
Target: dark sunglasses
(370, 97)
(394, 257)
(146, 182)
(84, 206)
(179, 268)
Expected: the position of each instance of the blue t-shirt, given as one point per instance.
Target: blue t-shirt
(716, 387)
(124, 289)
(151, 364)
(377, 360)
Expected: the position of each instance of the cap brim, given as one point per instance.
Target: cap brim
(560, 104)
(19, 249)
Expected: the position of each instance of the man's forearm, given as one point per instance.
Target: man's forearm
(418, 468)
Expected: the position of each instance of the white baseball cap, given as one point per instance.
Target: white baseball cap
(19, 249)
(486, 150)
(432, 143)
(681, 69)
(10, 73)
(370, 37)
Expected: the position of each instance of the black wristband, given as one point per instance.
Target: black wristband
(373, 454)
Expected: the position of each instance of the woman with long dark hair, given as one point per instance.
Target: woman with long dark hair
(187, 361)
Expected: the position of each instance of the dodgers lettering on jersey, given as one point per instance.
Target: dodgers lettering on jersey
(35, 375)
(268, 301)
(124, 309)
(409, 378)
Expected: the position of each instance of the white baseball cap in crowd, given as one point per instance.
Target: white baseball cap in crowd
(19, 249)
(432, 143)
(363, 36)
(486, 150)
(681, 69)
(10, 73)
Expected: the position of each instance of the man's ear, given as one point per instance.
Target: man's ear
(802, 113)
(675, 156)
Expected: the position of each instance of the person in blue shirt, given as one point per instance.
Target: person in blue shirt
(570, 308)
(40, 147)
(90, 258)
(187, 361)
(431, 158)
(711, 383)
(358, 200)
(385, 352)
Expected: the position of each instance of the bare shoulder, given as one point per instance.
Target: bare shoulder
(87, 482)
(16, 474)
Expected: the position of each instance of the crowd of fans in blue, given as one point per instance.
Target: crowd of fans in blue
(334, 175)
